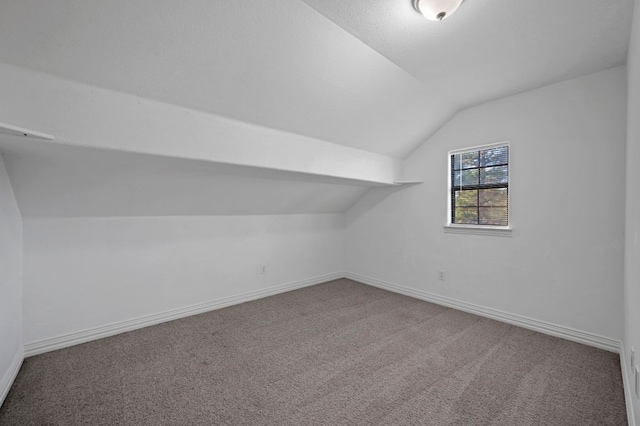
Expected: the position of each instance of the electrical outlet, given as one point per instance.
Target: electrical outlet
(441, 275)
(263, 269)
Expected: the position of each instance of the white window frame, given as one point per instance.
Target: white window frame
(455, 228)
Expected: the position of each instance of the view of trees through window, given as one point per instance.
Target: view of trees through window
(480, 187)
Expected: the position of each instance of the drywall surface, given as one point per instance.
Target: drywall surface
(61, 180)
(83, 273)
(563, 263)
(632, 230)
(10, 281)
(78, 114)
(279, 64)
(378, 78)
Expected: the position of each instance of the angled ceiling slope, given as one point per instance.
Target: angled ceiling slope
(87, 116)
(117, 155)
(278, 64)
(491, 49)
(55, 180)
(372, 75)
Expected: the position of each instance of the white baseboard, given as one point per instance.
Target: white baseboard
(71, 339)
(521, 321)
(626, 381)
(10, 375)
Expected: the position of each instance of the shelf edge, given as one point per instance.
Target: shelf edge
(10, 129)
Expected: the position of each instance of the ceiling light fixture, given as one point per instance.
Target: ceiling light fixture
(436, 10)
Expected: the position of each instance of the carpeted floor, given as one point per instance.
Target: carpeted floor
(331, 354)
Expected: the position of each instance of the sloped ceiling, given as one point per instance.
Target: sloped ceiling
(52, 180)
(372, 74)
(491, 49)
(339, 88)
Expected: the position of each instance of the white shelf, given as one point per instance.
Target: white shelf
(9, 129)
(406, 182)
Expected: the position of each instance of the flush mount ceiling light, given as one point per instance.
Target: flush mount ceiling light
(436, 10)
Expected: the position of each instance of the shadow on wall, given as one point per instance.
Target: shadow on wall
(372, 198)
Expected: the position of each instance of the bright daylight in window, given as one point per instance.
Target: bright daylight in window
(479, 186)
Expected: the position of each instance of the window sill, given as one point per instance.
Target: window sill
(497, 231)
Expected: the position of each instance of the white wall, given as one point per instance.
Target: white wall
(82, 273)
(10, 283)
(563, 264)
(56, 180)
(632, 231)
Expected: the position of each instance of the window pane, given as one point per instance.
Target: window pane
(466, 198)
(455, 162)
(493, 216)
(467, 215)
(456, 179)
(480, 186)
(493, 197)
(470, 159)
(470, 177)
(493, 156)
(494, 175)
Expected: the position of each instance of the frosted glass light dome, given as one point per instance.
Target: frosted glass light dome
(437, 10)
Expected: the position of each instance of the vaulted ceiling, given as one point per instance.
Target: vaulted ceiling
(372, 75)
(200, 107)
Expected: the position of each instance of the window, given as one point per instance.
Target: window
(479, 186)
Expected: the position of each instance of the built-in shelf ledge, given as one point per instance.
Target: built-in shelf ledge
(9, 129)
(406, 182)
(14, 145)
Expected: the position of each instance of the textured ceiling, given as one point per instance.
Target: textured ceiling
(490, 49)
(371, 74)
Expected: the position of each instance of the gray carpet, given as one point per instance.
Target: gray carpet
(339, 353)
